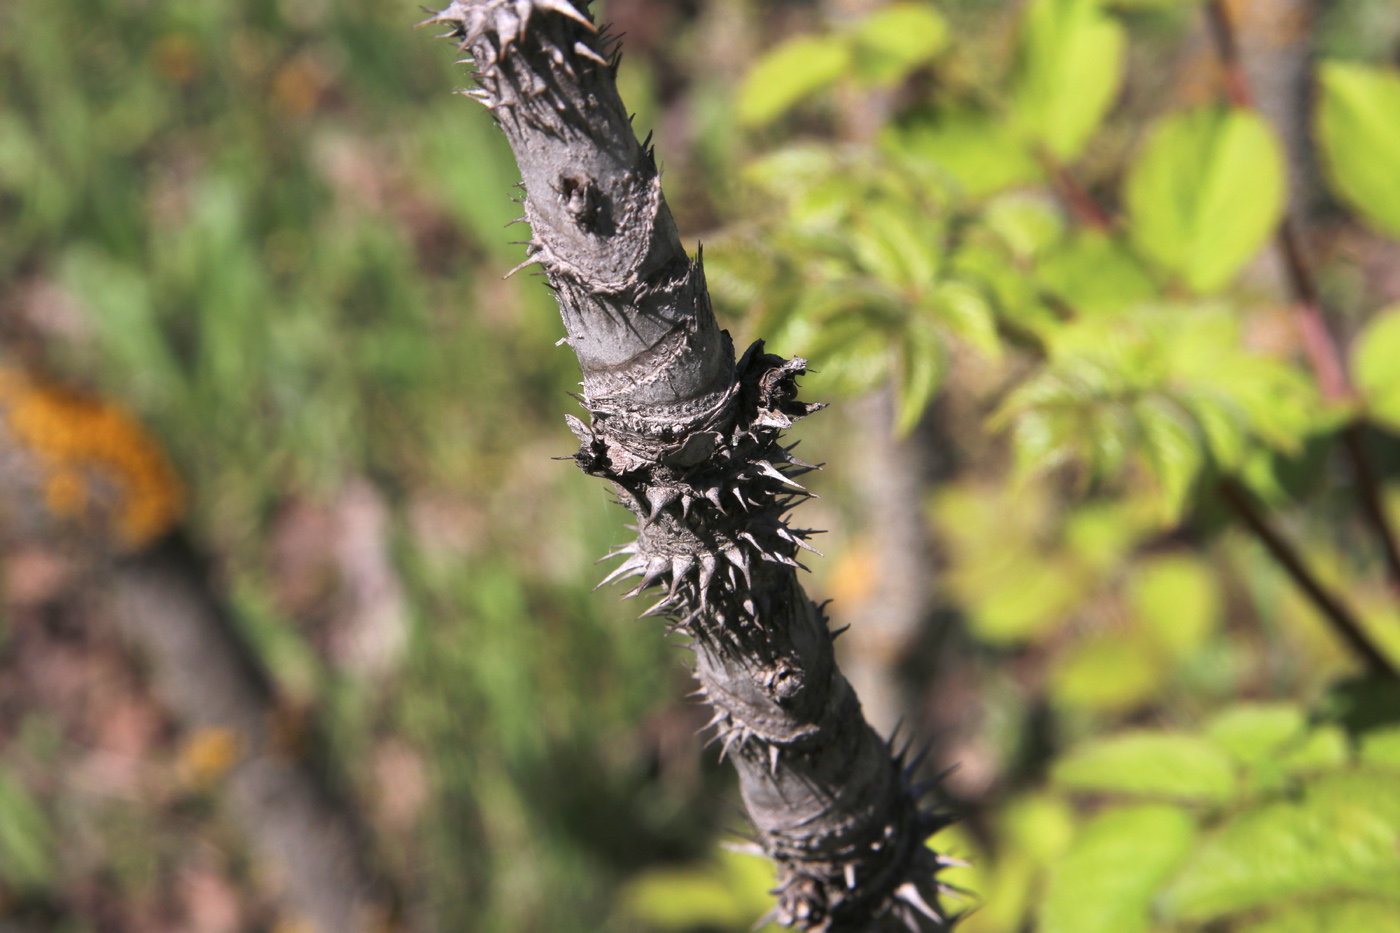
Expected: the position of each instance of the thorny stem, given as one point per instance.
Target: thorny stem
(1321, 348)
(691, 441)
(1337, 613)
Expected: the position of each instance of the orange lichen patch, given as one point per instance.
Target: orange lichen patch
(81, 441)
(208, 755)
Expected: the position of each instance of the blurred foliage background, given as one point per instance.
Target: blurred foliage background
(1029, 248)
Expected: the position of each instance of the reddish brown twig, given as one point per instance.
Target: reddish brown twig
(1077, 200)
(1341, 618)
(1324, 355)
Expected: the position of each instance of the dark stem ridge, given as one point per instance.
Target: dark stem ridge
(691, 441)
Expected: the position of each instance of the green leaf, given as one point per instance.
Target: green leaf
(1071, 64)
(898, 38)
(1325, 749)
(899, 249)
(1176, 598)
(851, 351)
(1112, 672)
(1205, 193)
(1351, 915)
(1106, 881)
(964, 309)
(1358, 128)
(979, 150)
(792, 170)
(1341, 837)
(1040, 601)
(1026, 224)
(1096, 274)
(26, 839)
(728, 893)
(1254, 732)
(1376, 365)
(921, 368)
(1151, 764)
(1041, 827)
(1173, 452)
(788, 73)
(1381, 748)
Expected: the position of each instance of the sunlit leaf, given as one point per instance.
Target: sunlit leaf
(792, 169)
(1033, 598)
(964, 309)
(851, 348)
(1324, 749)
(1376, 365)
(893, 40)
(921, 368)
(788, 73)
(1041, 826)
(900, 249)
(1108, 673)
(1342, 836)
(1071, 65)
(1381, 748)
(979, 150)
(1151, 764)
(729, 892)
(1095, 273)
(1028, 225)
(1105, 883)
(1205, 193)
(1358, 129)
(1173, 452)
(1178, 601)
(1253, 732)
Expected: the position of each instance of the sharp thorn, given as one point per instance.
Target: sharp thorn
(583, 51)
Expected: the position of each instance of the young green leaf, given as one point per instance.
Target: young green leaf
(1342, 836)
(898, 38)
(1205, 193)
(1172, 448)
(1106, 881)
(1177, 600)
(921, 369)
(1150, 764)
(1254, 732)
(1109, 673)
(1071, 65)
(1095, 273)
(978, 149)
(788, 73)
(1358, 129)
(964, 310)
(1376, 364)
(1027, 225)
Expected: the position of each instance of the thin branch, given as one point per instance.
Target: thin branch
(1338, 615)
(1320, 346)
(1078, 201)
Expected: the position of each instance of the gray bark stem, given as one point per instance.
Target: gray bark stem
(691, 441)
